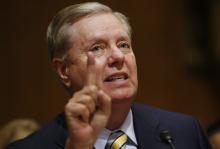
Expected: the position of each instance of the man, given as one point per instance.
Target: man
(17, 129)
(214, 134)
(91, 51)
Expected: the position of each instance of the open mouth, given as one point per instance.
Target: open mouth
(116, 77)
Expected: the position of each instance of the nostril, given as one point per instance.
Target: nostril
(118, 63)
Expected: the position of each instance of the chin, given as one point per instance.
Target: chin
(122, 95)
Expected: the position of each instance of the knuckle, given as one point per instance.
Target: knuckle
(77, 94)
(86, 98)
(67, 107)
(83, 108)
(93, 88)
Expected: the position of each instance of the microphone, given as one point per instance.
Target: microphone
(166, 137)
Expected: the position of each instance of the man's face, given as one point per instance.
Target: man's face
(106, 38)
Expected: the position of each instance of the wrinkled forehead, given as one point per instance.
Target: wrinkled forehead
(99, 25)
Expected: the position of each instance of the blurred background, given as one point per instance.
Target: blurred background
(177, 47)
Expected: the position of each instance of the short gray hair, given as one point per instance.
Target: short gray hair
(57, 33)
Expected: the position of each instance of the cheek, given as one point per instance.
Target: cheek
(100, 65)
(78, 74)
(77, 78)
(132, 66)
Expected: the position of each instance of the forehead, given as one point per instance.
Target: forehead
(97, 26)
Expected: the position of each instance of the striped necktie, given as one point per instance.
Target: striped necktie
(116, 140)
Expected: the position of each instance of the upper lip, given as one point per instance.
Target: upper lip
(124, 74)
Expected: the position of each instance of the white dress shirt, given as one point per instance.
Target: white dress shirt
(127, 127)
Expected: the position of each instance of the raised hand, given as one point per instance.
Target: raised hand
(87, 112)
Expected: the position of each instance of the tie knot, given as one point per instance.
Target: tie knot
(116, 140)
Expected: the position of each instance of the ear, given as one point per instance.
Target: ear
(62, 71)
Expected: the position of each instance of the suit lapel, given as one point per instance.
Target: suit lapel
(60, 140)
(146, 127)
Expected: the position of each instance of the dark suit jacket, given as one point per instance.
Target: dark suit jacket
(148, 124)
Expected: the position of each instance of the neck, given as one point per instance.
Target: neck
(119, 113)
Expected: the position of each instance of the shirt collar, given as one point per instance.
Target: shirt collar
(127, 127)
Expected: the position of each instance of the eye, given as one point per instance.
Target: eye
(98, 49)
(124, 45)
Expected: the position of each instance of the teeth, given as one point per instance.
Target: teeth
(117, 77)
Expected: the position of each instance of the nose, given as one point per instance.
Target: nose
(116, 58)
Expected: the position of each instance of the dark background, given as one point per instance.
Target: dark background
(177, 70)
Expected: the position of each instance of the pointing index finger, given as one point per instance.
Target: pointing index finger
(91, 73)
